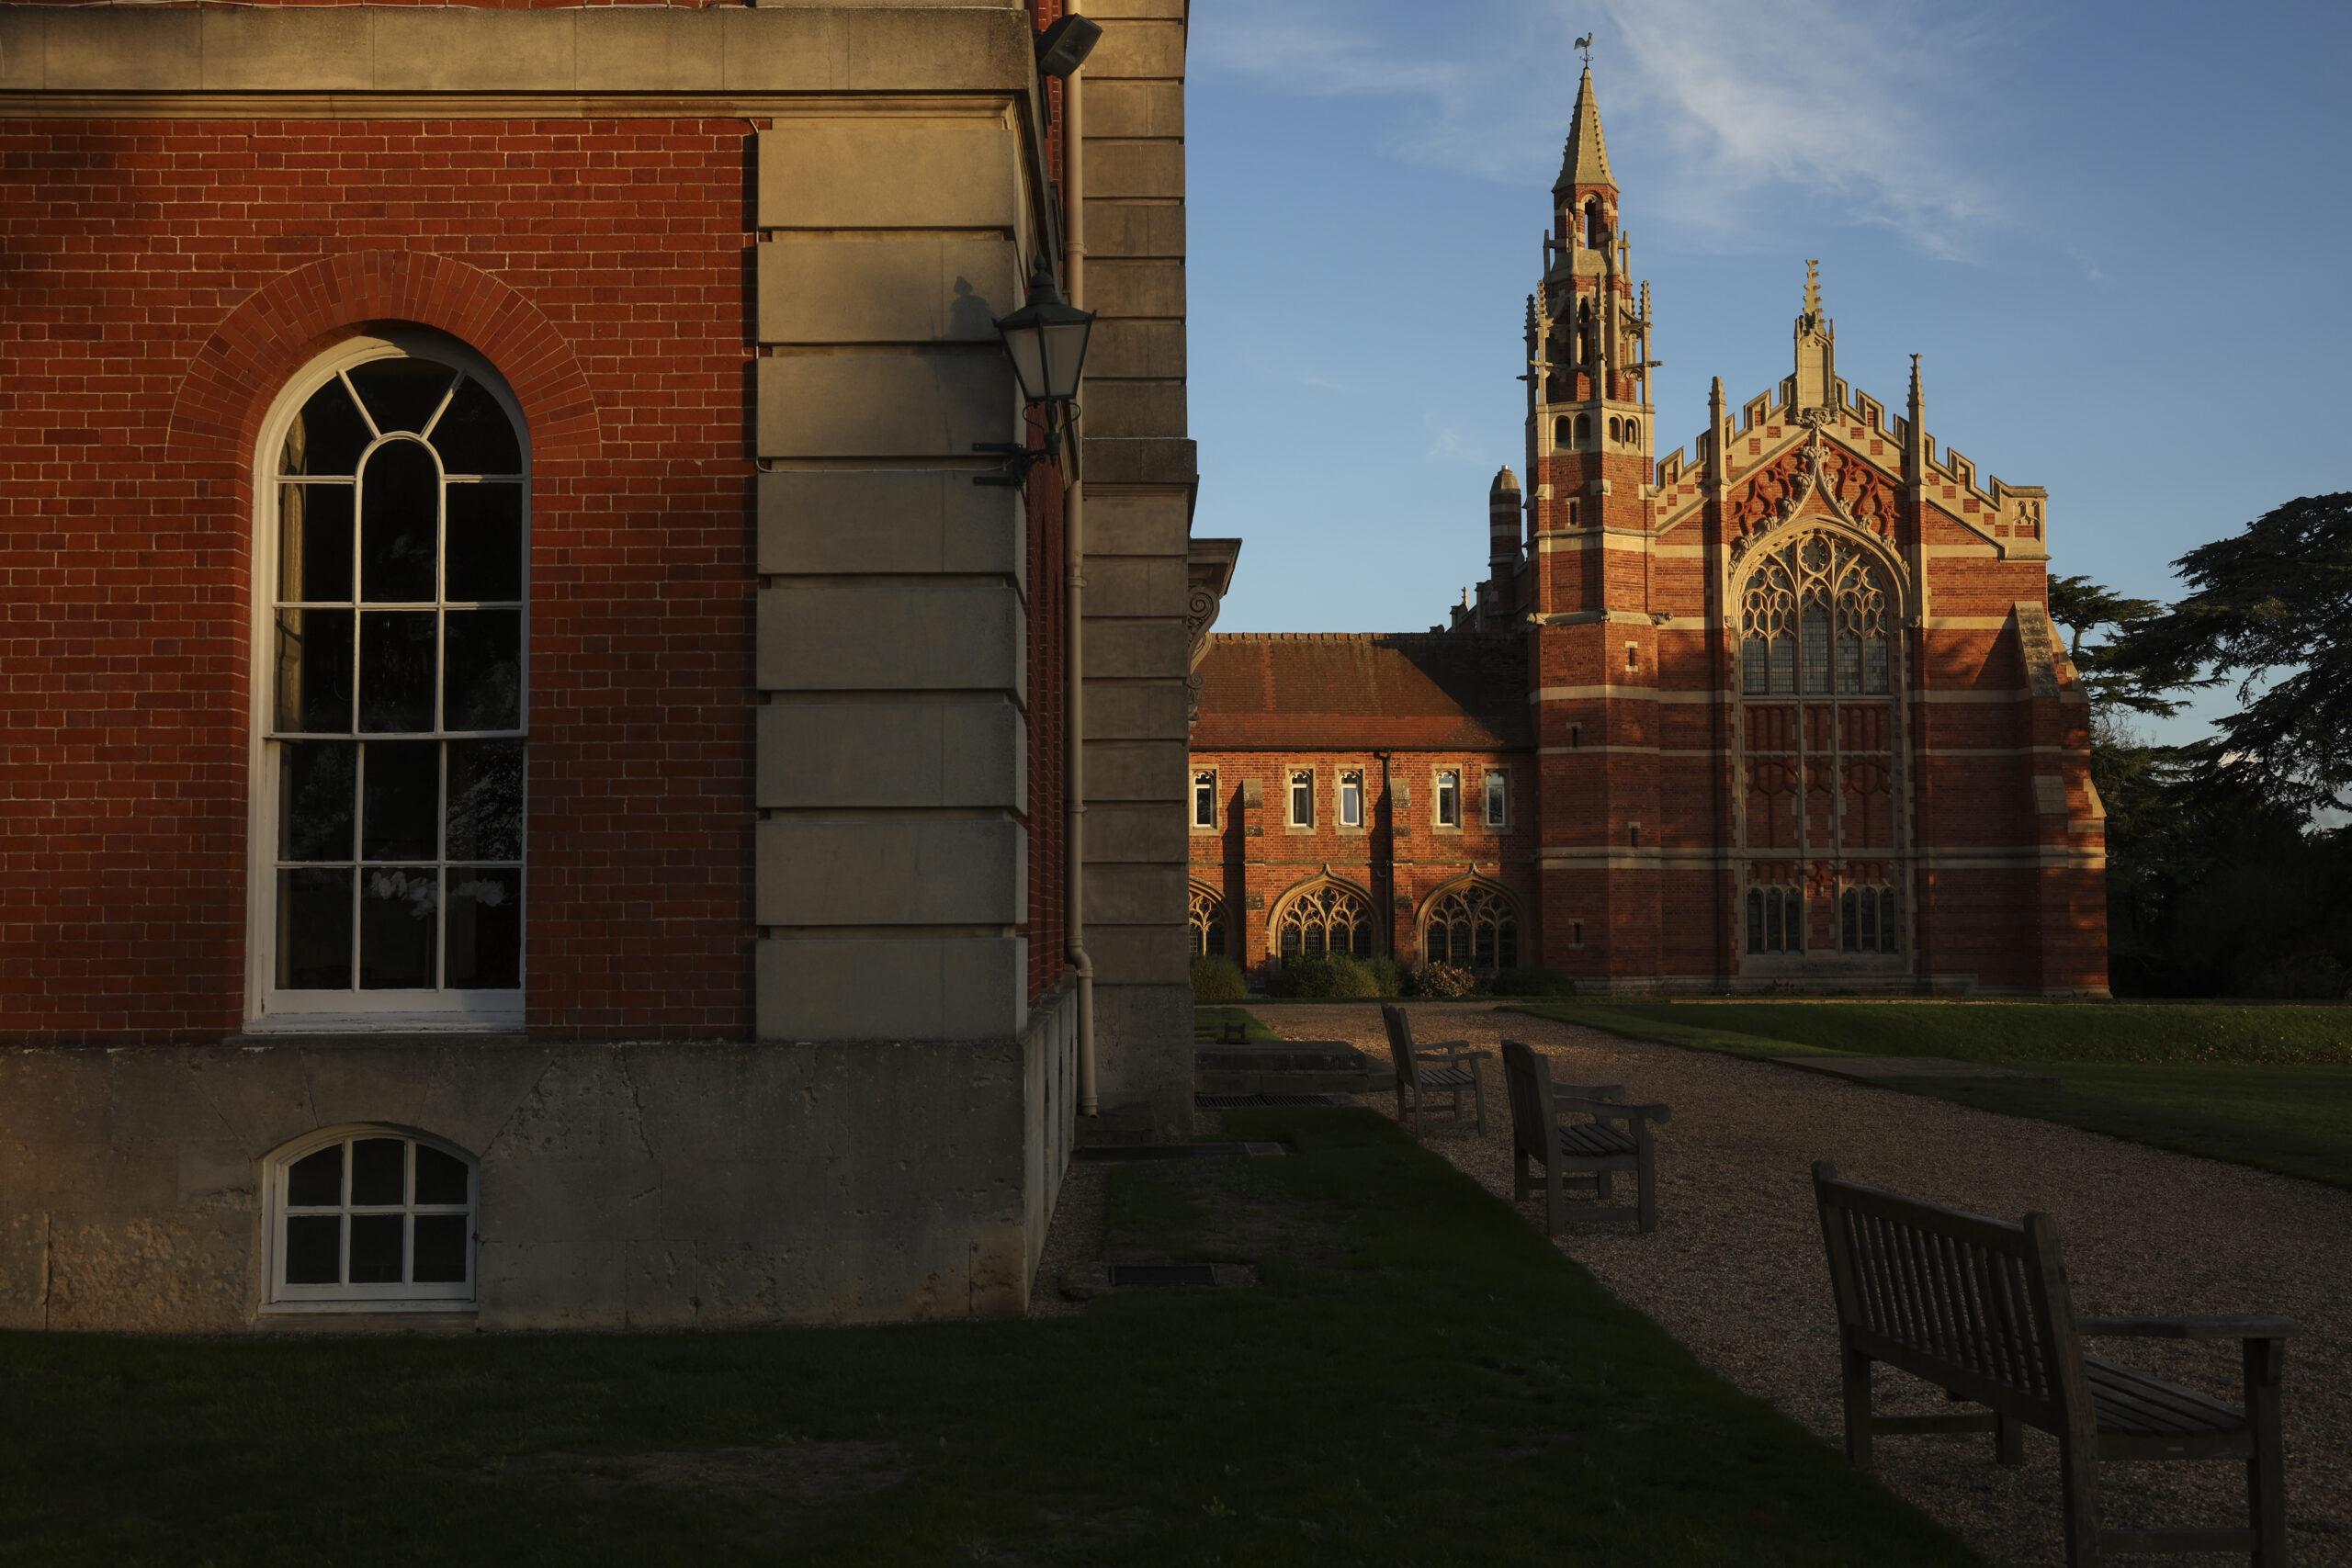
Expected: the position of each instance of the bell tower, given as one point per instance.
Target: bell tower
(1590, 440)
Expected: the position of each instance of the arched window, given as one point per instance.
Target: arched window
(1325, 918)
(1633, 430)
(394, 549)
(1595, 236)
(1812, 605)
(1206, 912)
(1476, 925)
(1584, 430)
(371, 1219)
(1821, 748)
(1616, 428)
(1564, 432)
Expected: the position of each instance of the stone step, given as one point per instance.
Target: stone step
(1287, 1067)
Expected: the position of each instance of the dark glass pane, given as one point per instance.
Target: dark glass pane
(1870, 921)
(1784, 665)
(1850, 664)
(474, 434)
(1751, 667)
(1482, 951)
(1506, 946)
(482, 671)
(1290, 945)
(1875, 668)
(403, 801)
(315, 1181)
(315, 782)
(375, 1249)
(315, 672)
(399, 912)
(378, 1173)
(1360, 941)
(1815, 637)
(440, 1179)
(1755, 920)
(485, 800)
(314, 930)
(1772, 921)
(396, 670)
(1886, 921)
(400, 515)
(401, 393)
(314, 543)
(485, 929)
(485, 542)
(314, 1250)
(327, 437)
(440, 1249)
(1796, 922)
(1315, 939)
(1213, 940)
(1853, 925)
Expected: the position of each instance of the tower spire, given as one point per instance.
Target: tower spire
(1585, 159)
(1817, 344)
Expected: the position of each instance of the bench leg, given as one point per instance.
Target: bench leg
(2008, 1441)
(1478, 1097)
(2265, 1468)
(2079, 1480)
(1556, 1203)
(1857, 1367)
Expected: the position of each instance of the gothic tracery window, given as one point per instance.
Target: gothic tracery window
(1815, 615)
(1206, 914)
(1820, 749)
(1323, 919)
(1476, 925)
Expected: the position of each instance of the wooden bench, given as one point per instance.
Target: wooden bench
(1445, 1070)
(1589, 1151)
(1981, 1308)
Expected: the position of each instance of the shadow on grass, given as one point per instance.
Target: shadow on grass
(1420, 1378)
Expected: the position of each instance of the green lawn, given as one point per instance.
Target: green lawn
(1420, 1379)
(2267, 1085)
(1208, 1023)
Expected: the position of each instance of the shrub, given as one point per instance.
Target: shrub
(1444, 980)
(1531, 983)
(1386, 974)
(1218, 980)
(1334, 975)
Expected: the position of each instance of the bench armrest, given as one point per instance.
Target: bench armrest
(1588, 1090)
(2246, 1325)
(1450, 1052)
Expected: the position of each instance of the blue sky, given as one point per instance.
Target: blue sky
(2117, 233)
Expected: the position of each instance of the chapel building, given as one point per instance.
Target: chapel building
(1787, 714)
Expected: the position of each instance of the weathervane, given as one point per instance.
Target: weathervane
(1585, 43)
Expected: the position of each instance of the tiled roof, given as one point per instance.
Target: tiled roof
(1445, 691)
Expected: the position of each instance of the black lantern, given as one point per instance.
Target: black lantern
(1045, 340)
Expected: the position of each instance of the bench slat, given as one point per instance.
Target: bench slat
(2128, 1400)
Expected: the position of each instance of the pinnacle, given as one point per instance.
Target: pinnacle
(1585, 159)
(1812, 288)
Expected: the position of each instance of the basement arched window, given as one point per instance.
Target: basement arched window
(393, 548)
(371, 1218)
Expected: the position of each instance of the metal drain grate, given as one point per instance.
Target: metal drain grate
(1123, 1274)
(1266, 1101)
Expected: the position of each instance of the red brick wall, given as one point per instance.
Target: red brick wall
(164, 279)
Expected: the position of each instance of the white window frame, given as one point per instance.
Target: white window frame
(1446, 798)
(1294, 779)
(1352, 795)
(267, 1008)
(280, 1297)
(1204, 780)
(1496, 800)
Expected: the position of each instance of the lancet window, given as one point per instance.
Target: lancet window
(1815, 621)
(1206, 914)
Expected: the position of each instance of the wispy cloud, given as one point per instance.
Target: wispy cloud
(1719, 108)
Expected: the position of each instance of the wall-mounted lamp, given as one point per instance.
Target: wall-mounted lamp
(1063, 48)
(1045, 340)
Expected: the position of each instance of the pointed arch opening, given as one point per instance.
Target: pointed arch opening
(1208, 922)
(1322, 917)
(1474, 923)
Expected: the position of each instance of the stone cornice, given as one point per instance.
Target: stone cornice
(440, 50)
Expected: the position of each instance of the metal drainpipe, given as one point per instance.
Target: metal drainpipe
(1074, 638)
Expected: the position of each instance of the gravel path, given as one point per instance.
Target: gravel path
(1736, 1271)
